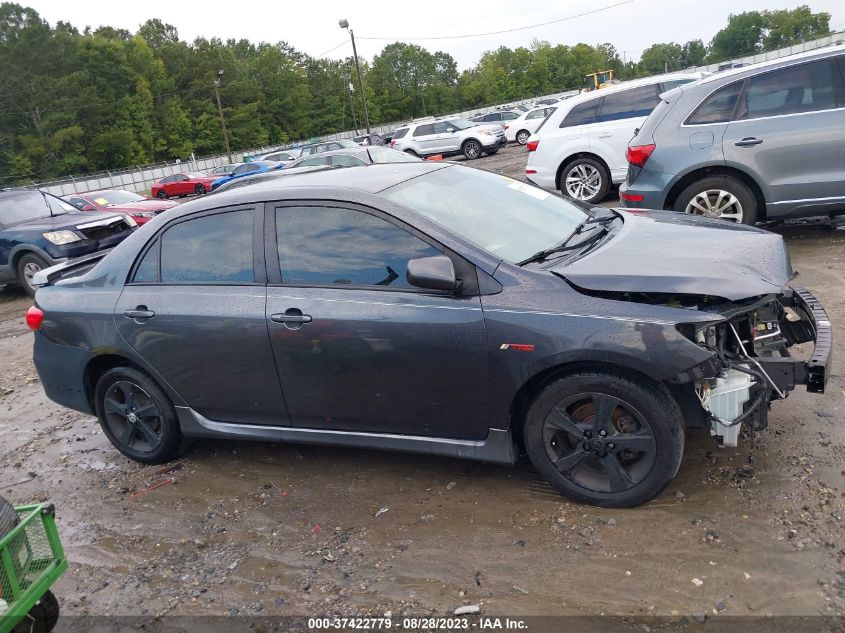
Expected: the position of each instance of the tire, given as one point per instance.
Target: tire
(522, 137)
(412, 153)
(712, 196)
(471, 149)
(584, 179)
(137, 416)
(28, 265)
(42, 617)
(8, 517)
(162, 195)
(568, 447)
(200, 189)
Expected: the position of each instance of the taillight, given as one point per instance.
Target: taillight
(506, 127)
(392, 143)
(531, 146)
(34, 317)
(638, 155)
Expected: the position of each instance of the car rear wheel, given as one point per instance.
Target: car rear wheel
(411, 152)
(200, 189)
(522, 137)
(28, 266)
(137, 416)
(471, 149)
(585, 179)
(162, 194)
(605, 439)
(719, 197)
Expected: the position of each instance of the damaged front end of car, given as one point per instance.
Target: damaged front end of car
(753, 346)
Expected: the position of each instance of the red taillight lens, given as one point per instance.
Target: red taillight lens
(392, 143)
(507, 126)
(638, 155)
(531, 146)
(632, 197)
(34, 317)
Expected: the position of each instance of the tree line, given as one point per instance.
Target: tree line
(78, 101)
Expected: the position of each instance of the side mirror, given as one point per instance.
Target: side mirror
(433, 273)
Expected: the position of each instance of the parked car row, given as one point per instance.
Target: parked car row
(755, 143)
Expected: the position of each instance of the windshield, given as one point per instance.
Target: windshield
(31, 205)
(509, 218)
(462, 124)
(115, 197)
(381, 155)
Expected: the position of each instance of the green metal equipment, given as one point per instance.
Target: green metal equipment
(31, 560)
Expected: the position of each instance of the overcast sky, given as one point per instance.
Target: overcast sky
(312, 27)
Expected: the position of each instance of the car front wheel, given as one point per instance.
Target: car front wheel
(585, 179)
(471, 149)
(28, 266)
(162, 194)
(605, 439)
(200, 189)
(137, 416)
(719, 197)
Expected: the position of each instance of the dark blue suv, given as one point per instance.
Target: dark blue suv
(38, 230)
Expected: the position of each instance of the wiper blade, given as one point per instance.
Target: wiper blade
(564, 246)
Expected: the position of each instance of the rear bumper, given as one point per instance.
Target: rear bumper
(814, 325)
(61, 369)
(642, 195)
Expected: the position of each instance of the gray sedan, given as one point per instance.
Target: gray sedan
(435, 308)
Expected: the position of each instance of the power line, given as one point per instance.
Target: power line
(520, 28)
(333, 48)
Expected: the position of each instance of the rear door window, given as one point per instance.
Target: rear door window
(424, 130)
(718, 107)
(581, 114)
(213, 249)
(636, 102)
(801, 88)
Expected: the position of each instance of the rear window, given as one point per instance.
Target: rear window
(581, 114)
(718, 107)
(402, 131)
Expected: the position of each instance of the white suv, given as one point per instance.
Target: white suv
(448, 137)
(520, 129)
(580, 147)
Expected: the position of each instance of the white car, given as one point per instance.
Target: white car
(580, 147)
(280, 156)
(526, 124)
(448, 137)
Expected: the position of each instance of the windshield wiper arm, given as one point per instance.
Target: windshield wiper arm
(564, 246)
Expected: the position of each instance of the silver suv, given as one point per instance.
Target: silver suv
(751, 144)
(449, 137)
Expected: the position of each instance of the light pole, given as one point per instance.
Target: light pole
(220, 110)
(349, 87)
(345, 25)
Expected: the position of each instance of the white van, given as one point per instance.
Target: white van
(580, 147)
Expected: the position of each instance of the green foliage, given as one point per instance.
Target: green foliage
(72, 101)
(755, 31)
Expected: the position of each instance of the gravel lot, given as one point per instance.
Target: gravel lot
(249, 528)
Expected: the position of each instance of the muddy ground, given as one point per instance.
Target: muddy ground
(249, 528)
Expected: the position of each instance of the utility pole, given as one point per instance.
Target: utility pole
(220, 110)
(345, 25)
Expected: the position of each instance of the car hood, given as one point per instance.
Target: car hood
(65, 221)
(143, 205)
(667, 252)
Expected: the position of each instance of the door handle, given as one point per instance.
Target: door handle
(748, 142)
(140, 313)
(292, 315)
(605, 135)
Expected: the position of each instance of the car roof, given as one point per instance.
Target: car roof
(365, 178)
(568, 104)
(96, 191)
(346, 151)
(752, 69)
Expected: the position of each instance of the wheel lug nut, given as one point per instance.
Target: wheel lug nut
(602, 433)
(610, 446)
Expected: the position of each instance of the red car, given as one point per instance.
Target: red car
(139, 207)
(184, 184)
